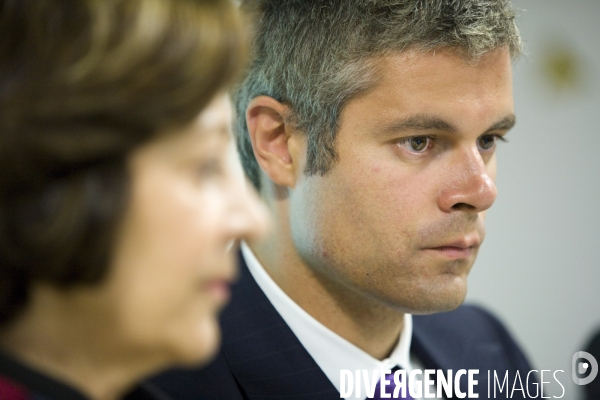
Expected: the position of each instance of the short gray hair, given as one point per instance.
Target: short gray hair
(316, 55)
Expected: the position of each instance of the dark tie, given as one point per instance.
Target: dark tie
(390, 387)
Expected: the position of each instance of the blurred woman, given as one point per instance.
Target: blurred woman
(119, 193)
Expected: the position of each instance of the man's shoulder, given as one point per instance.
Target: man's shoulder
(214, 381)
(468, 337)
(467, 321)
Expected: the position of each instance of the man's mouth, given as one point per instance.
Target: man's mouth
(458, 248)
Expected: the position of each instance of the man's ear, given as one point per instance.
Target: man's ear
(270, 136)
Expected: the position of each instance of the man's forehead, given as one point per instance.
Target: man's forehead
(412, 72)
(438, 91)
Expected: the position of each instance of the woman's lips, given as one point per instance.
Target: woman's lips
(220, 289)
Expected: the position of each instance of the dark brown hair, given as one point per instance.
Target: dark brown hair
(83, 83)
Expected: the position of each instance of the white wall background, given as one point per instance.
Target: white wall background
(539, 269)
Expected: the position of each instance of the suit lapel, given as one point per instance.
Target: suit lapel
(263, 353)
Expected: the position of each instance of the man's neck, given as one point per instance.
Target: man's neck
(364, 322)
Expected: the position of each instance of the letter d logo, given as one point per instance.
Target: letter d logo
(583, 362)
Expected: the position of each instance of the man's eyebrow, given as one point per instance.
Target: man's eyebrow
(424, 122)
(420, 122)
(504, 124)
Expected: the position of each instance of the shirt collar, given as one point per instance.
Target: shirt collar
(330, 351)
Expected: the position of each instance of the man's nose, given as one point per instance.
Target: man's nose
(470, 185)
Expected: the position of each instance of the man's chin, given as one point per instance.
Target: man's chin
(435, 299)
(437, 308)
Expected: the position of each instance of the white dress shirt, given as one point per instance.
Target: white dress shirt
(330, 351)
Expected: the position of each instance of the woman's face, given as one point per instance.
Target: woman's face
(172, 269)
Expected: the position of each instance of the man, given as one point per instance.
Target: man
(370, 129)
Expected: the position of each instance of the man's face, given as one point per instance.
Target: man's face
(400, 217)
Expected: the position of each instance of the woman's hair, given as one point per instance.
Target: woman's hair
(82, 84)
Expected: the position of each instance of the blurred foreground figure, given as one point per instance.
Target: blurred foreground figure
(370, 128)
(119, 197)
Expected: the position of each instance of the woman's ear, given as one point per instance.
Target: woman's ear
(270, 136)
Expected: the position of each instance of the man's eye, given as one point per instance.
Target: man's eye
(487, 142)
(417, 144)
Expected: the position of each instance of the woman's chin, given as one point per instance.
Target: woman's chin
(201, 346)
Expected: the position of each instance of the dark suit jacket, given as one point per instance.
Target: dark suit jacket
(261, 358)
(20, 381)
